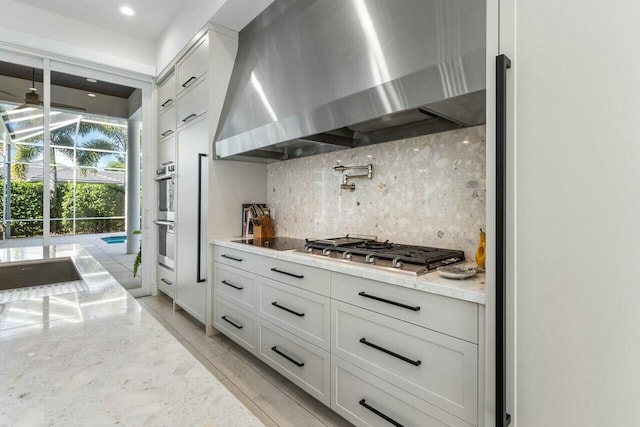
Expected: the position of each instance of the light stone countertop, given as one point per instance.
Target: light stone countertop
(94, 357)
(471, 289)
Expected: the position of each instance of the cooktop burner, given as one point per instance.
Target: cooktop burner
(414, 260)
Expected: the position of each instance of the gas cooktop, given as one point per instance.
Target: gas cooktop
(275, 243)
(407, 259)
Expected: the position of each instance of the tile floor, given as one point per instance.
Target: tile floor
(270, 396)
(112, 256)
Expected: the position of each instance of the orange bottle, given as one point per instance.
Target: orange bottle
(480, 253)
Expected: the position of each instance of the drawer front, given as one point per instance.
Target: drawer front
(167, 150)
(365, 400)
(166, 280)
(302, 276)
(300, 312)
(437, 368)
(236, 323)
(447, 315)
(167, 122)
(235, 285)
(194, 66)
(304, 364)
(235, 258)
(167, 93)
(193, 103)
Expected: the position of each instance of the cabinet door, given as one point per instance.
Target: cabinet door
(167, 93)
(191, 231)
(194, 66)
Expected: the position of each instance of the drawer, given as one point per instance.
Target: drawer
(167, 122)
(235, 258)
(167, 150)
(193, 103)
(447, 315)
(365, 400)
(304, 364)
(236, 323)
(300, 312)
(194, 65)
(309, 278)
(166, 280)
(167, 93)
(235, 285)
(437, 368)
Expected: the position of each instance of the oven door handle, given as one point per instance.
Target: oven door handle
(199, 222)
(164, 223)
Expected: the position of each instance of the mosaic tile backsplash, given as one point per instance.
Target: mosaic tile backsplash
(429, 190)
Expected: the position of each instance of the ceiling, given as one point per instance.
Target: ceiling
(66, 80)
(152, 16)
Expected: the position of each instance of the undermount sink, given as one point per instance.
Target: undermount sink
(22, 274)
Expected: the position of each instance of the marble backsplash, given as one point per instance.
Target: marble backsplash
(429, 190)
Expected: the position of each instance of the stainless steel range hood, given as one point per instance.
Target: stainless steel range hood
(313, 76)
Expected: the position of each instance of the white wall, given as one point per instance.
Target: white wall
(233, 14)
(31, 27)
(577, 168)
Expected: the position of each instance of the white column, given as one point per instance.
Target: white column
(133, 186)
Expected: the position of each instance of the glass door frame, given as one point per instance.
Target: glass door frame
(49, 63)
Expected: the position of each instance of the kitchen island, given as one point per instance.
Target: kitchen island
(95, 357)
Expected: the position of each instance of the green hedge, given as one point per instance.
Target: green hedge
(92, 200)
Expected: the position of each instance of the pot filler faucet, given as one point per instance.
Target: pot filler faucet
(346, 177)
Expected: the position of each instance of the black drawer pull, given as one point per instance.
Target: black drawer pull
(275, 304)
(188, 82)
(167, 102)
(233, 323)
(166, 133)
(295, 362)
(166, 281)
(232, 285)
(231, 257)
(391, 353)
(399, 304)
(380, 414)
(297, 276)
(190, 117)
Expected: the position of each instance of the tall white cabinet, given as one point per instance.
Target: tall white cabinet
(209, 192)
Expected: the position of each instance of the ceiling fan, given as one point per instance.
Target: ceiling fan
(32, 98)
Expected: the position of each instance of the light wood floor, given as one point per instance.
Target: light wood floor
(270, 396)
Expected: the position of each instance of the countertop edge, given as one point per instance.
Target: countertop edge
(471, 290)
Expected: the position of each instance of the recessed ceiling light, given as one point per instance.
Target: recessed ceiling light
(126, 10)
(92, 80)
(466, 141)
(92, 95)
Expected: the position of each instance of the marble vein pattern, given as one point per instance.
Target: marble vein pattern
(472, 289)
(429, 190)
(96, 358)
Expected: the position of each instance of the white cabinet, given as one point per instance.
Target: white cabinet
(194, 65)
(236, 323)
(394, 352)
(191, 213)
(166, 280)
(167, 150)
(167, 93)
(192, 103)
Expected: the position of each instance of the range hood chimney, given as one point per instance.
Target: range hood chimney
(313, 76)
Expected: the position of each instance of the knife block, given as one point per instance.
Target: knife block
(264, 230)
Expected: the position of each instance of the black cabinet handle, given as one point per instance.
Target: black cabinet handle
(297, 276)
(275, 304)
(503, 63)
(167, 102)
(199, 221)
(391, 353)
(388, 301)
(167, 133)
(380, 414)
(190, 117)
(231, 257)
(295, 362)
(188, 82)
(166, 281)
(233, 323)
(232, 285)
